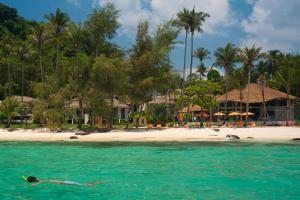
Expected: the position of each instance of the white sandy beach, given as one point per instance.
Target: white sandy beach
(170, 134)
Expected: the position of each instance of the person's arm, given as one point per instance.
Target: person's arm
(38, 183)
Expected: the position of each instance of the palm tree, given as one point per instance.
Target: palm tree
(75, 33)
(24, 51)
(273, 58)
(248, 56)
(201, 54)
(195, 22)
(40, 37)
(226, 58)
(262, 80)
(239, 82)
(182, 22)
(8, 108)
(58, 22)
(286, 77)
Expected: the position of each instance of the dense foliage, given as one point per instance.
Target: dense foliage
(58, 60)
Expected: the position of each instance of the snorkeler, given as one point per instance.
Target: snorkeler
(32, 179)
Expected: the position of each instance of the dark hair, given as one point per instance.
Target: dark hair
(32, 179)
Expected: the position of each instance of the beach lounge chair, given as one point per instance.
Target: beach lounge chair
(240, 124)
(229, 125)
(252, 124)
(149, 126)
(208, 124)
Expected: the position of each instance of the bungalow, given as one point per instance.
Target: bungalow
(120, 109)
(274, 100)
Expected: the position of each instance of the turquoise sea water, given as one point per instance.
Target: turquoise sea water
(152, 170)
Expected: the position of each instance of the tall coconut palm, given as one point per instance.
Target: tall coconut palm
(39, 37)
(273, 59)
(24, 52)
(195, 22)
(226, 58)
(286, 77)
(75, 33)
(262, 80)
(182, 22)
(238, 82)
(201, 54)
(58, 23)
(248, 56)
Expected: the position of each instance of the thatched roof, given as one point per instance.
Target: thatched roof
(26, 99)
(192, 108)
(255, 94)
(162, 100)
(74, 103)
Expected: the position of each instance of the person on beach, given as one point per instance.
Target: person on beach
(35, 181)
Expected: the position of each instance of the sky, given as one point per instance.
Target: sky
(270, 24)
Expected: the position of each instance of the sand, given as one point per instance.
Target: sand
(276, 134)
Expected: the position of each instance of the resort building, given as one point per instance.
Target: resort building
(120, 111)
(275, 102)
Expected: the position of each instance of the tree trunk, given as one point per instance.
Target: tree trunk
(22, 89)
(184, 57)
(241, 105)
(41, 66)
(56, 65)
(8, 121)
(288, 89)
(187, 115)
(264, 105)
(248, 94)
(80, 113)
(9, 80)
(192, 50)
(111, 113)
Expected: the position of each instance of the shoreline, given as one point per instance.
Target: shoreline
(257, 134)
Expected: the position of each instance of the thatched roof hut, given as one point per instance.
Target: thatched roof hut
(74, 104)
(192, 108)
(255, 94)
(162, 100)
(26, 99)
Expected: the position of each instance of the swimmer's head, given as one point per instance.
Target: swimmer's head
(32, 179)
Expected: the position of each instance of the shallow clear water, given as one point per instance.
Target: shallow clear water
(152, 170)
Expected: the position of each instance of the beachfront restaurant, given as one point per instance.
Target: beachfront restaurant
(275, 103)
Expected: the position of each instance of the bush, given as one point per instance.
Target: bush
(159, 113)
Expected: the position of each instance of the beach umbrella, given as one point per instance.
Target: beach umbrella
(234, 114)
(219, 114)
(204, 114)
(249, 114)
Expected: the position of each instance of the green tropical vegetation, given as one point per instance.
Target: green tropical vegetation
(58, 60)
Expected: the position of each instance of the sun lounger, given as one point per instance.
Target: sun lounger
(149, 126)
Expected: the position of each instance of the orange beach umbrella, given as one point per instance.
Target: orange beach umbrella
(219, 114)
(233, 114)
(249, 114)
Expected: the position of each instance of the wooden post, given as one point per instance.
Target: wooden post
(100, 121)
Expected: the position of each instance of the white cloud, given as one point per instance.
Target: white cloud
(74, 2)
(159, 11)
(274, 24)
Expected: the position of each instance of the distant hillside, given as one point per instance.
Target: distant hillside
(14, 23)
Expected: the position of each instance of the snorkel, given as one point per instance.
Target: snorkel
(25, 179)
